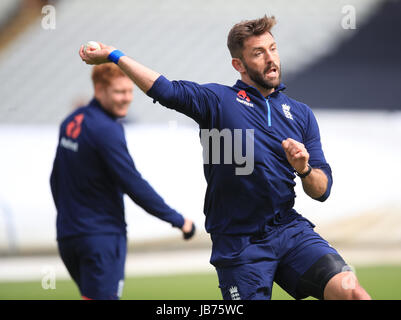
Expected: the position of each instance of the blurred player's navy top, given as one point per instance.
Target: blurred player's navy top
(91, 172)
(244, 204)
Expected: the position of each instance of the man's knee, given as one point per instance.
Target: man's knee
(345, 286)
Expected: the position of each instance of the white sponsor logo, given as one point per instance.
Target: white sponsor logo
(68, 144)
(245, 102)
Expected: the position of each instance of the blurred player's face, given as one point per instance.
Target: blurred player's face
(116, 97)
(260, 62)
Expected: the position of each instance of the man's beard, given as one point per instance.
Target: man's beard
(258, 78)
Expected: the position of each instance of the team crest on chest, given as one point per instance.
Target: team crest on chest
(286, 110)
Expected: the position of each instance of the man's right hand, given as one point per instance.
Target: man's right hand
(93, 56)
(142, 76)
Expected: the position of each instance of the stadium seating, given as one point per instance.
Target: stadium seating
(43, 77)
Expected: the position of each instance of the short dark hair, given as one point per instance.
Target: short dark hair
(245, 29)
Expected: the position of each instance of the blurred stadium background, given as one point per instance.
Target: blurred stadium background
(348, 71)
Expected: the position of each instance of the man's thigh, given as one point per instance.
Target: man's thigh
(69, 256)
(102, 268)
(251, 281)
(310, 263)
(98, 265)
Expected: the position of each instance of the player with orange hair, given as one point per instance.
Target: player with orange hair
(91, 172)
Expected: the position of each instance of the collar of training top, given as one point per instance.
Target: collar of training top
(242, 85)
(96, 103)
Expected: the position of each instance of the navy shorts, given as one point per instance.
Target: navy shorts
(247, 265)
(96, 263)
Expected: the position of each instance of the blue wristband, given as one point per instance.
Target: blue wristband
(115, 55)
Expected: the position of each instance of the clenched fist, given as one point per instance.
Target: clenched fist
(96, 56)
(297, 155)
(188, 229)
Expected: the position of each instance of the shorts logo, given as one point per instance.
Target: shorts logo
(120, 288)
(286, 110)
(73, 128)
(234, 293)
(243, 98)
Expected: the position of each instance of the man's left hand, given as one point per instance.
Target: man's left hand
(188, 229)
(297, 155)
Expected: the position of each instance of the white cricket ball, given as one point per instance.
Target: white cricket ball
(91, 44)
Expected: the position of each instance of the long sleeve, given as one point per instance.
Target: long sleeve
(316, 155)
(114, 151)
(198, 102)
(53, 179)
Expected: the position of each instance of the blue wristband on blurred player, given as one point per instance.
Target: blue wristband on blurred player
(115, 55)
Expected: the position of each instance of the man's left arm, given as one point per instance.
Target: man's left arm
(113, 149)
(315, 182)
(309, 161)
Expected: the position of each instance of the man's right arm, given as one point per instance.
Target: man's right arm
(142, 76)
(189, 98)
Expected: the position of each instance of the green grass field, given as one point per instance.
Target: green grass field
(382, 282)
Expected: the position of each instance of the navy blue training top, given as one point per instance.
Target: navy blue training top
(91, 172)
(243, 204)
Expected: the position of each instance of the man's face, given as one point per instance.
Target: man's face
(261, 61)
(116, 97)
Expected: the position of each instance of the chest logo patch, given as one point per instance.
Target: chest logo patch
(286, 110)
(243, 98)
(73, 128)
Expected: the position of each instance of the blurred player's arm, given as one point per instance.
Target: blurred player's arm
(53, 179)
(114, 151)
